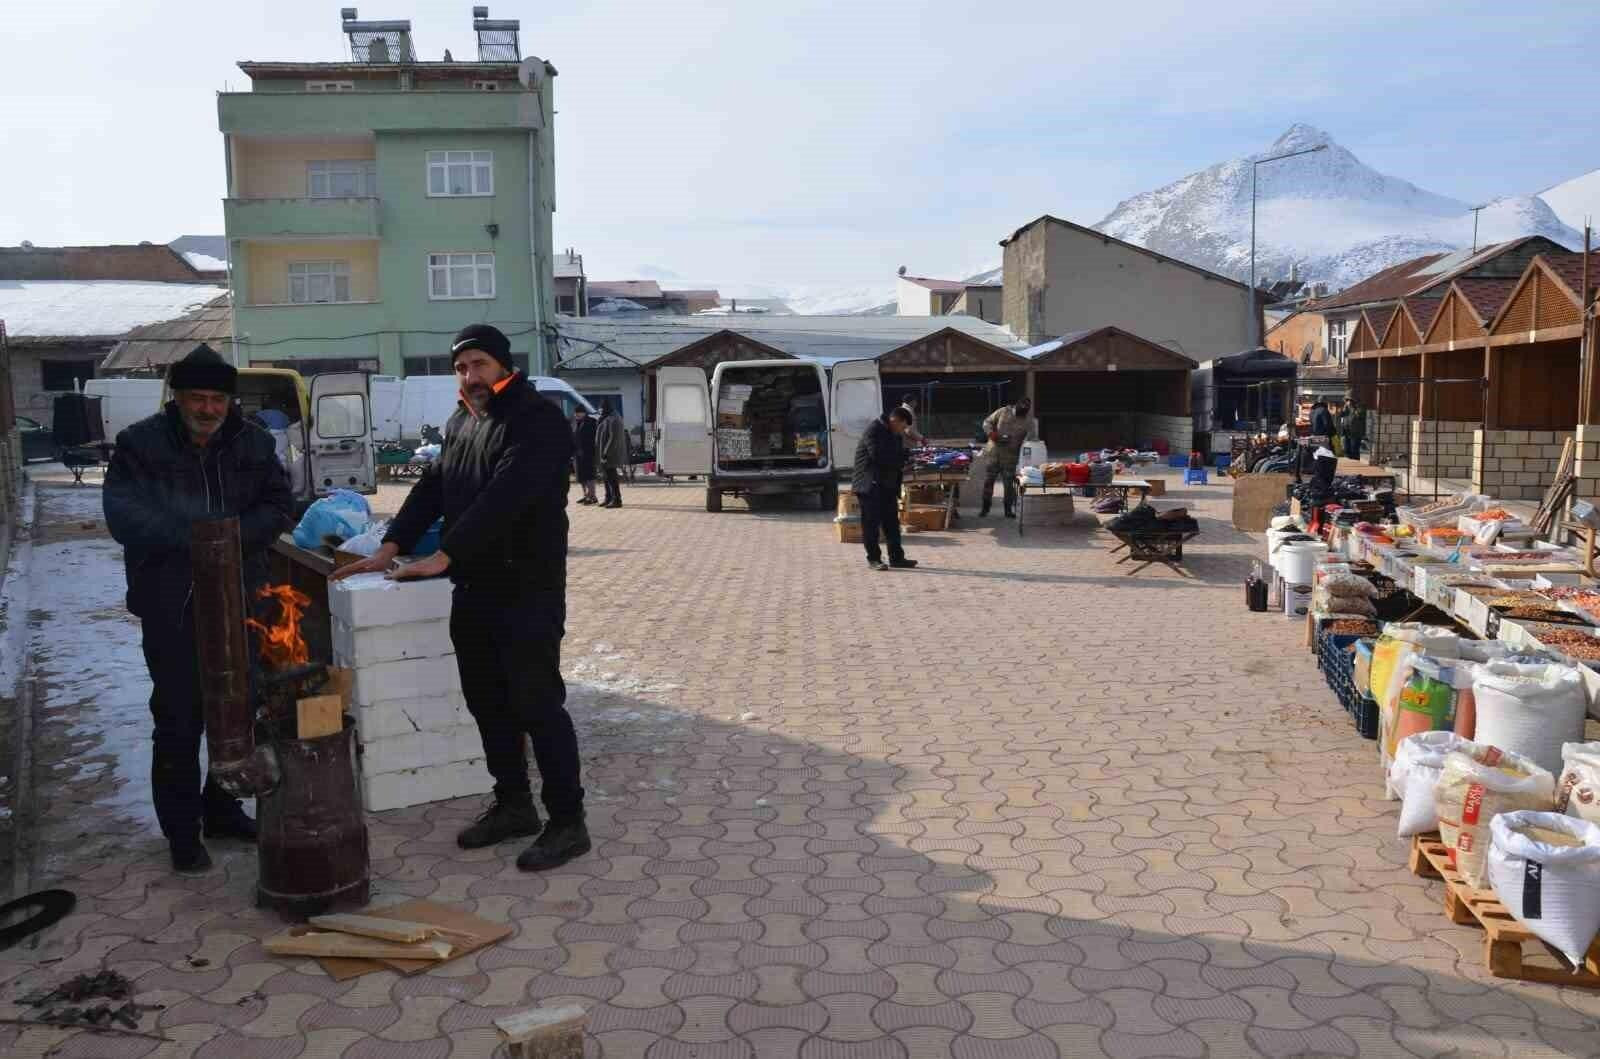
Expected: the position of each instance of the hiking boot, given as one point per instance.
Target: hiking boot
(229, 821)
(562, 841)
(902, 564)
(876, 564)
(499, 822)
(190, 858)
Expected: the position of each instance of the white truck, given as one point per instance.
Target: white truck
(765, 427)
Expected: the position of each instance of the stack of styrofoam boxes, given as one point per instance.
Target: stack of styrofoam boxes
(418, 742)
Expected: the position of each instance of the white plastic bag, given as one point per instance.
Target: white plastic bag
(368, 541)
(1418, 764)
(1578, 791)
(1530, 709)
(1545, 868)
(1475, 787)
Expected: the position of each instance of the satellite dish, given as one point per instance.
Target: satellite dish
(901, 271)
(530, 72)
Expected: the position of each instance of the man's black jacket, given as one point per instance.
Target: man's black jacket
(501, 485)
(880, 460)
(160, 482)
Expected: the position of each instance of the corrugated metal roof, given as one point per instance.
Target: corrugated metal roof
(156, 345)
(947, 286)
(1392, 284)
(588, 344)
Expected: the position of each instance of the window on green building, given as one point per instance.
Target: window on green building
(316, 282)
(460, 276)
(455, 173)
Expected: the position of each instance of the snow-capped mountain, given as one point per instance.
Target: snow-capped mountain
(1335, 217)
(1577, 201)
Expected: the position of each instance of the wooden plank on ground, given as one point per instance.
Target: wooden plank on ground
(399, 930)
(326, 944)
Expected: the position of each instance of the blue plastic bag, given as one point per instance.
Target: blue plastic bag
(341, 514)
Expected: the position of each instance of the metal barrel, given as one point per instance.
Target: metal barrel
(223, 645)
(312, 843)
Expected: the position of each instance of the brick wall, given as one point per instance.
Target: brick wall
(1519, 464)
(1588, 465)
(1389, 439)
(1178, 431)
(1442, 448)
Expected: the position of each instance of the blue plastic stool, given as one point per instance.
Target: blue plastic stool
(1224, 461)
(1195, 476)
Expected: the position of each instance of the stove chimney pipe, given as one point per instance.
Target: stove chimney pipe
(223, 645)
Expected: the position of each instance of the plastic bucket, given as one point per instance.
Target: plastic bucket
(1298, 561)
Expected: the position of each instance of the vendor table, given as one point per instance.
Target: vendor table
(947, 482)
(1023, 488)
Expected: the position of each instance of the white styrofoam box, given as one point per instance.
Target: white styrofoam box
(367, 600)
(408, 678)
(356, 647)
(414, 750)
(435, 783)
(385, 720)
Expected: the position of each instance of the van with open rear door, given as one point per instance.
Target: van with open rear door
(327, 443)
(764, 427)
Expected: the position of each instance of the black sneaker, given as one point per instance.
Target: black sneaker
(232, 822)
(498, 823)
(983, 512)
(561, 841)
(1011, 514)
(902, 564)
(876, 564)
(190, 859)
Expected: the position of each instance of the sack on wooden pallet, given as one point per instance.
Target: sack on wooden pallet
(1545, 868)
(1475, 787)
(1578, 790)
(1418, 764)
(1531, 709)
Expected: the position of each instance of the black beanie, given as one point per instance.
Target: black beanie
(488, 338)
(203, 369)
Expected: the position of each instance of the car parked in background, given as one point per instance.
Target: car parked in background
(38, 440)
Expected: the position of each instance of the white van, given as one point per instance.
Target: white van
(430, 400)
(123, 402)
(387, 392)
(772, 426)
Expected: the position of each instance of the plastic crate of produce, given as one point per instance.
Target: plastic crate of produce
(1366, 716)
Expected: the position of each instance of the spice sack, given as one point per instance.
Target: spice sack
(1418, 764)
(1475, 787)
(1545, 868)
(1530, 709)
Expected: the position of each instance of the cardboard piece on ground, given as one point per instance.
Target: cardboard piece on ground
(467, 932)
(319, 715)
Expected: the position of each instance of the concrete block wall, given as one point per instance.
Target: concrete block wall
(1587, 485)
(1177, 431)
(1518, 464)
(1442, 448)
(418, 742)
(1389, 439)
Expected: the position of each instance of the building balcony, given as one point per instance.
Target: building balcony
(353, 218)
(302, 114)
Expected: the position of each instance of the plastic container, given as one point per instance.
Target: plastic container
(1034, 454)
(1297, 561)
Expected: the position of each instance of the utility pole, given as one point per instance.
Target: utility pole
(1475, 211)
(1253, 318)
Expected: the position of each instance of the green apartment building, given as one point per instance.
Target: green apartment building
(378, 205)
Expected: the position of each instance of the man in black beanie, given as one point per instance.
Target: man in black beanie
(197, 459)
(501, 486)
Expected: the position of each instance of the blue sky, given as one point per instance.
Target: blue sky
(826, 142)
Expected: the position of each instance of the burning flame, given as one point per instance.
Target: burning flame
(282, 645)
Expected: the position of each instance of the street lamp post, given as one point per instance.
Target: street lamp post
(1250, 309)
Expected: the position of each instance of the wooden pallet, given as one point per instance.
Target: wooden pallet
(1503, 937)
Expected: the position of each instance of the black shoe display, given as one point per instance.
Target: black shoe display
(231, 822)
(498, 823)
(190, 859)
(902, 564)
(562, 841)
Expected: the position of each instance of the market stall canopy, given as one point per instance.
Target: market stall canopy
(154, 346)
(1109, 349)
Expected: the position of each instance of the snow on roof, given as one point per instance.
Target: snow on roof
(205, 262)
(947, 286)
(94, 308)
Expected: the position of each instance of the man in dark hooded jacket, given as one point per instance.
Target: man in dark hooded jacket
(198, 459)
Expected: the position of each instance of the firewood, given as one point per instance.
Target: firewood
(376, 927)
(333, 943)
(319, 716)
